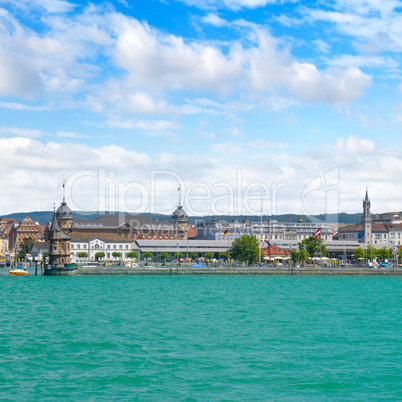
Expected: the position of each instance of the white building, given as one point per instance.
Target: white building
(273, 230)
(91, 243)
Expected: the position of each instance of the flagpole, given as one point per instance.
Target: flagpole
(259, 248)
(178, 256)
(229, 251)
(179, 190)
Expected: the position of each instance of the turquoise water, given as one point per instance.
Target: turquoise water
(200, 338)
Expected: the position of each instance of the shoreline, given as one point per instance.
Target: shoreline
(327, 271)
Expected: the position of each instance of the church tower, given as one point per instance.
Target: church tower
(366, 221)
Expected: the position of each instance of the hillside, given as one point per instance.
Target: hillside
(344, 218)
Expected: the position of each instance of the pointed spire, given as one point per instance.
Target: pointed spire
(54, 226)
(64, 191)
(366, 199)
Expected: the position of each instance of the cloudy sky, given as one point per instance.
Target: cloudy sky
(295, 103)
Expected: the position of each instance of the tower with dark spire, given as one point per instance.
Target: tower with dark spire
(59, 244)
(366, 221)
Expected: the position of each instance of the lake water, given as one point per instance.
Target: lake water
(200, 338)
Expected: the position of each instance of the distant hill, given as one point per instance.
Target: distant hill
(45, 216)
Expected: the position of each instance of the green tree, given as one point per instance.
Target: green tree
(245, 248)
(370, 253)
(383, 253)
(99, 255)
(194, 255)
(178, 255)
(147, 255)
(116, 254)
(224, 255)
(164, 256)
(21, 254)
(131, 254)
(399, 253)
(299, 256)
(209, 256)
(27, 245)
(314, 247)
(359, 253)
(83, 254)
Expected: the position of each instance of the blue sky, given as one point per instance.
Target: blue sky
(295, 102)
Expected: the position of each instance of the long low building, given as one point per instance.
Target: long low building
(171, 247)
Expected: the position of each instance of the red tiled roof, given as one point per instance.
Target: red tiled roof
(375, 227)
(275, 250)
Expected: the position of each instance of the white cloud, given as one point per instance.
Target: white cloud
(166, 61)
(68, 134)
(37, 168)
(376, 25)
(50, 6)
(356, 146)
(17, 77)
(21, 132)
(149, 127)
(363, 61)
(232, 4)
(20, 106)
(214, 20)
(289, 22)
(322, 46)
(154, 66)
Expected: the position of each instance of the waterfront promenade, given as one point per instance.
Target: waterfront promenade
(243, 270)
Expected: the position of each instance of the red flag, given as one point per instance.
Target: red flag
(178, 188)
(318, 233)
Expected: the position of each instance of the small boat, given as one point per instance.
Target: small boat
(18, 271)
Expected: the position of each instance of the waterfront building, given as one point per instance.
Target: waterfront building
(186, 247)
(39, 249)
(59, 245)
(3, 242)
(271, 230)
(273, 252)
(395, 233)
(18, 232)
(383, 231)
(91, 243)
